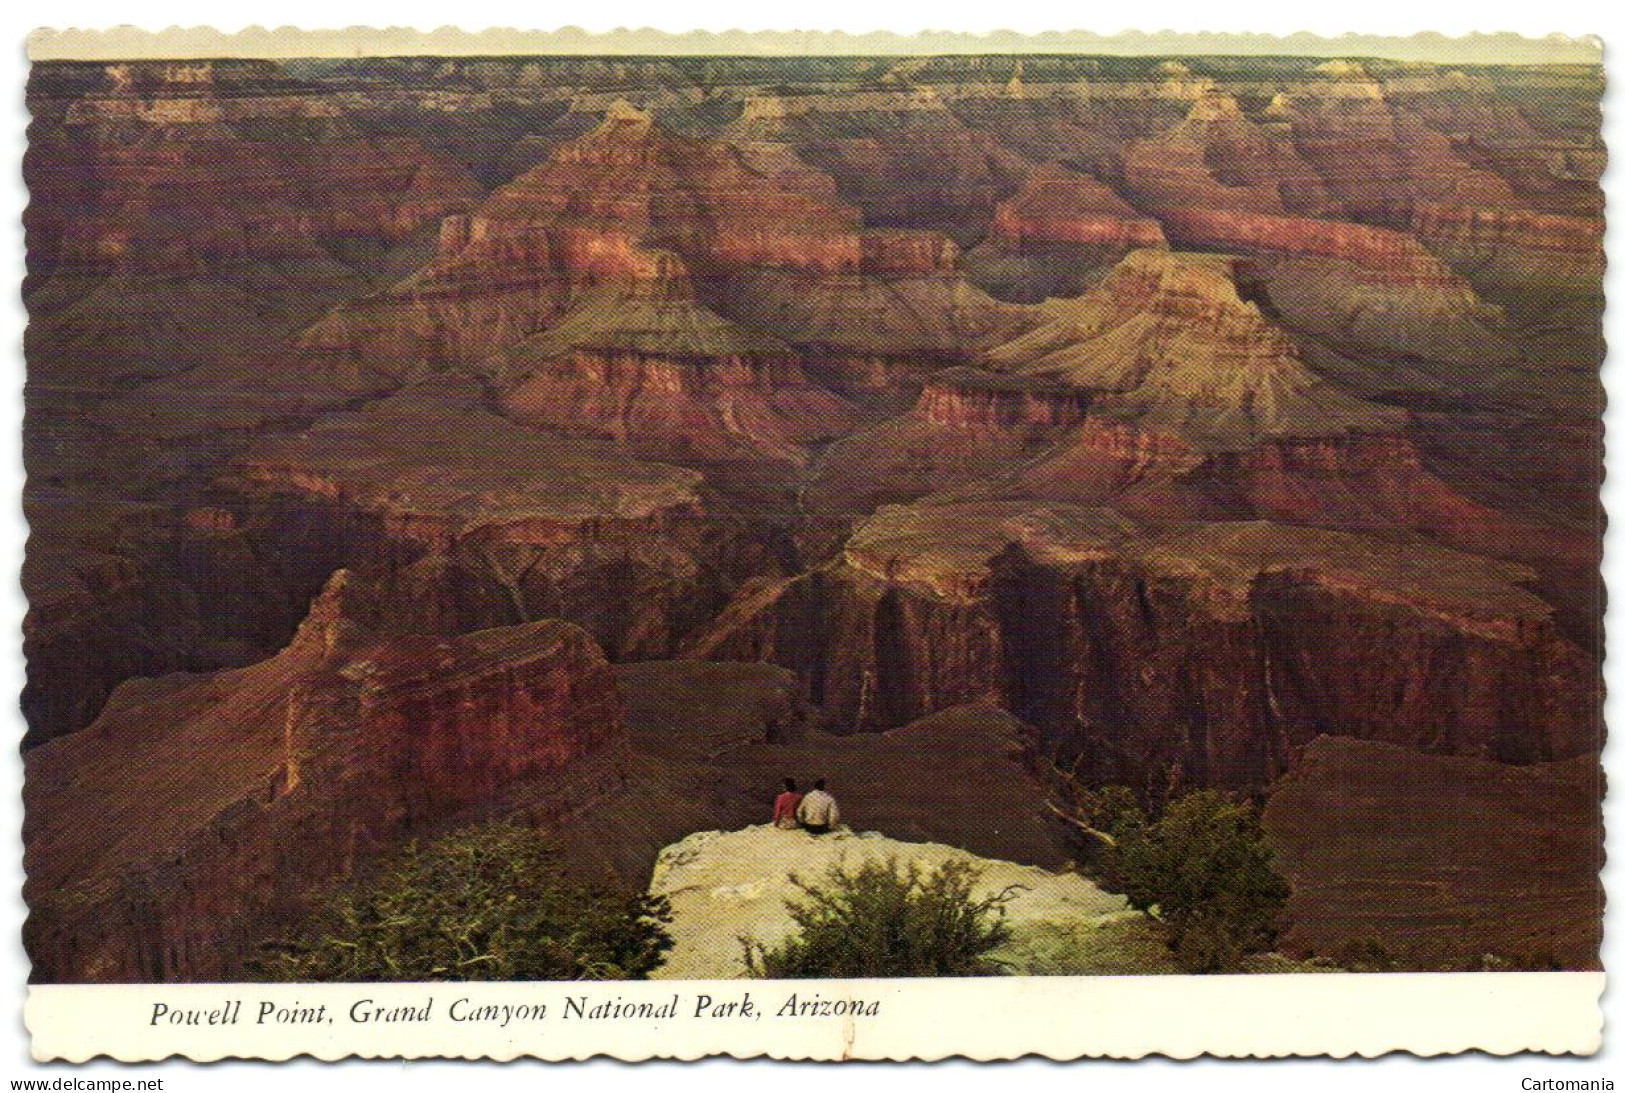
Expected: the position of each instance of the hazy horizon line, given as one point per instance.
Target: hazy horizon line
(129, 43)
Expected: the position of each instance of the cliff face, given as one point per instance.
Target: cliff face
(1056, 205)
(1171, 341)
(288, 775)
(469, 520)
(966, 423)
(1201, 407)
(668, 378)
(744, 229)
(1352, 482)
(1218, 650)
(182, 168)
(900, 155)
(1385, 145)
(1368, 170)
(1219, 158)
(162, 593)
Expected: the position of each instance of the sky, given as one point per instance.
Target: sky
(130, 43)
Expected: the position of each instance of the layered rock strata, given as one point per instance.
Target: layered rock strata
(280, 778)
(464, 519)
(1215, 649)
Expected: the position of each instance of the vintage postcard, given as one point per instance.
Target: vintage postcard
(821, 547)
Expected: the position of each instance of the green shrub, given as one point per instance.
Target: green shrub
(1203, 869)
(490, 902)
(885, 921)
(1113, 810)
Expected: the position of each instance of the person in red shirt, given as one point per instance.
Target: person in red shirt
(785, 805)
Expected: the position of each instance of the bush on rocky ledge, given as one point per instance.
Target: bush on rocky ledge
(486, 903)
(884, 920)
(1203, 869)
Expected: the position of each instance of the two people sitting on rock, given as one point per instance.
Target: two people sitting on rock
(815, 812)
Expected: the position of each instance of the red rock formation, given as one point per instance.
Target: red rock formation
(464, 519)
(1381, 257)
(1377, 159)
(1218, 648)
(626, 203)
(1498, 862)
(286, 776)
(198, 215)
(1203, 409)
(748, 230)
(190, 167)
(1506, 239)
(745, 299)
(900, 253)
(1447, 158)
(669, 379)
(1088, 123)
(900, 155)
(709, 738)
(967, 425)
(1532, 126)
(1219, 158)
(122, 591)
(1355, 482)
(1220, 181)
(1061, 206)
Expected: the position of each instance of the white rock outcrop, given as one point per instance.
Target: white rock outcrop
(729, 885)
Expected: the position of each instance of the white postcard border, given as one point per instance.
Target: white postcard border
(1121, 1017)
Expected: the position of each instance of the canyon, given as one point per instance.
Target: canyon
(595, 442)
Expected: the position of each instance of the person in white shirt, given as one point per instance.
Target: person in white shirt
(818, 812)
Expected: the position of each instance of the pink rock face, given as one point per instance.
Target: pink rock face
(477, 521)
(1219, 158)
(1380, 481)
(1350, 147)
(1377, 155)
(1199, 407)
(1108, 458)
(1360, 481)
(469, 717)
(884, 253)
(627, 202)
(287, 775)
(901, 156)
